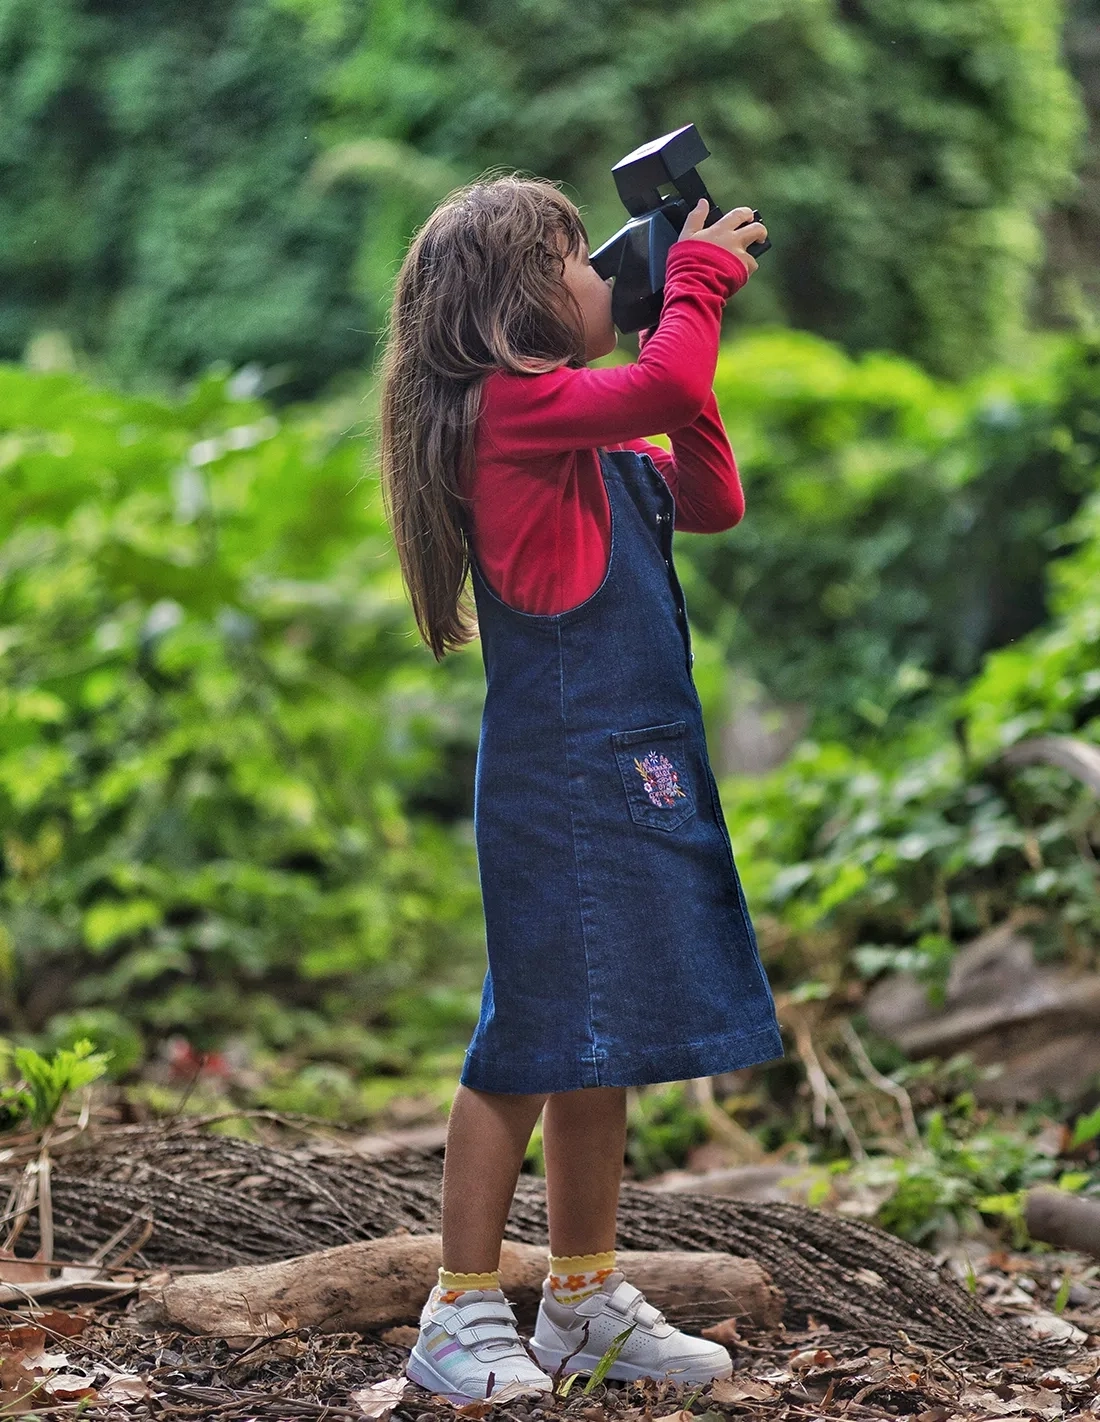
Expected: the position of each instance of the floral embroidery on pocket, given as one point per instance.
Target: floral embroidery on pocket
(655, 763)
(660, 779)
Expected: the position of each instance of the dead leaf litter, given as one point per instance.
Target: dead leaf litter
(100, 1359)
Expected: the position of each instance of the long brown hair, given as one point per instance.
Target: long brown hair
(480, 289)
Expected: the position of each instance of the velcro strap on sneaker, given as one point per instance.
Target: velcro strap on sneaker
(484, 1311)
(473, 1333)
(629, 1301)
(624, 1295)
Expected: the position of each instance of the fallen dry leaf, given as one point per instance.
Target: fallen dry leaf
(403, 1336)
(17, 1384)
(68, 1387)
(53, 1320)
(682, 1416)
(380, 1398)
(730, 1390)
(811, 1358)
(27, 1336)
(21, 1271)
(124, 1387)
(725, 1333)
(473, 1409)
(50, 1362)
(1040, 1400)
(983, 1399)
(1050, 1326)
(510, 1391)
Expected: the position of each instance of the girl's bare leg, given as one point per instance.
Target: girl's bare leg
(487, 1136)
(584, 1138)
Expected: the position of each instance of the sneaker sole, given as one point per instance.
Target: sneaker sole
(421, 1372)
(551, 1359)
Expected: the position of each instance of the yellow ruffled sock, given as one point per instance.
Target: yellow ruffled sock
(451, 1286)
(574, 1277)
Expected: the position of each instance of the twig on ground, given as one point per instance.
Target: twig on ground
(104, 1249)
(45, 1199)
(884, 1083)
(826, 1097)
(20, 1203)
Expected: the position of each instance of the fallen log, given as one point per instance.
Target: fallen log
(219, 1202)
(374, 1283)
(1057, 1217)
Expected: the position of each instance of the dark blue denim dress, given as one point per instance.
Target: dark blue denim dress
(620, 947)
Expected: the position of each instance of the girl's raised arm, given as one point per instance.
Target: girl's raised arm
(701, 471)
(666, 389)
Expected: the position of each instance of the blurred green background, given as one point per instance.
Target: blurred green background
(235, 791)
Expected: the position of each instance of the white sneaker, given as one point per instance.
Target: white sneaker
(466, 1348)
(654, 1348)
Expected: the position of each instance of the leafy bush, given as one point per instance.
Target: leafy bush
(897, 529)
(968, 1168)
(168, 199)
(914, 857)
(156, 203)
(1050, 682)
(661, 1130)
(932, 838)
(901, 151)
(43, 1083)
(213, 719)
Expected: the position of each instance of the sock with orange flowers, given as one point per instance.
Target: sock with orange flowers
(574, 1277)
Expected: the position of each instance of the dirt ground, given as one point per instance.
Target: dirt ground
(872, 1328)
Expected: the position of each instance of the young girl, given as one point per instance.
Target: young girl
(620, 949)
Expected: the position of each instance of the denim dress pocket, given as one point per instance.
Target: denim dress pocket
(653, 764)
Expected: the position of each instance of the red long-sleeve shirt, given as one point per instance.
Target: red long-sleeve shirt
(539, 518)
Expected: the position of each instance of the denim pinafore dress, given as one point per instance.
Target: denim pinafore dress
(620, 947)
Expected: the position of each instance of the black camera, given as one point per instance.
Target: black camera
(637, 253)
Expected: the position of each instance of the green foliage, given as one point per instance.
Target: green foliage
(1086, 1129)
(50, 1081)
(44, 1083)
(155, 201)
(236, 181)
(608, 1358)
(214, 720)
(968, 1167)
(900, 151)
(1051, 682)
(120, 1040)
(661, 1130)
(928, 839)
(897, 527)
(899, 863)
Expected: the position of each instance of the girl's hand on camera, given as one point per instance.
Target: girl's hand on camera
(727, 232)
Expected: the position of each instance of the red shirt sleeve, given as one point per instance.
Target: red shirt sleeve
(666, 389)
(701, 471)
(538, 510)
